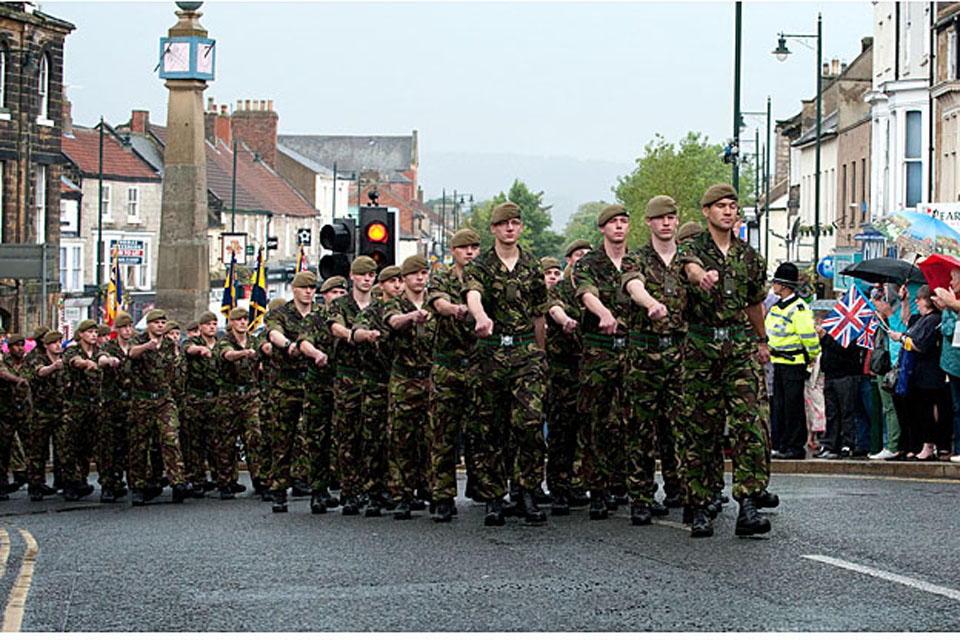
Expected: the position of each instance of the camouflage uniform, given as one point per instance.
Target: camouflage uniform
(81, 420)
(375, 360)
(268, 375)
(201, 410)
(48, 392)
(16, 414)
(454, 388)
(286, 395)
(154, 414)
(239, 413)
(722, 374)
(602, 370)
(654, 380)
(510, 371)
(318, 405)
(409, 399)
(115, 425)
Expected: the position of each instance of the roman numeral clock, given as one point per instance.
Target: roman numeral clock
(187, 58)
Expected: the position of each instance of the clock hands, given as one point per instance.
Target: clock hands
(165, 52)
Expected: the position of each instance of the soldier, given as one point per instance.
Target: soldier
(412, 328)
(726, 338)
(564, 349)
(46, 383)
(81, 410)
(201, 404)
(348, 388)
(103, 334)
(267, 378)
(453, 376)
(236, 357)
(508, 283)
(193, 329)
(154, 411)
(17, 408)
(317, 415)
(603, 365)
(653, 383)
(117, 404)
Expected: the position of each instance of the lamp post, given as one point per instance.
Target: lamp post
(782, 52)
(766, 178)
(736, 94)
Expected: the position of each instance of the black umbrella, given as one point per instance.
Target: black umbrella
(885, 270)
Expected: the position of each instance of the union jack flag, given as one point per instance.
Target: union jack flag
(866, 338)
(849, 318)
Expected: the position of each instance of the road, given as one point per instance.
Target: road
(845, 554)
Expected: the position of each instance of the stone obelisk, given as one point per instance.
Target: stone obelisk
(183, 270)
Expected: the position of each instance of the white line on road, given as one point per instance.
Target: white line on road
(953, 594)
(4, 551)
(13, 614)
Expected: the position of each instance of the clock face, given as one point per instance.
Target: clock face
(205, 58)
(176, 57)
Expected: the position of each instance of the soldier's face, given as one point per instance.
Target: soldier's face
(616, 229)
(663, 227)
(89, 337)
(392, 287)
(156, 327)
(208, 329)
(416, 282)
(54, 348)
(16, 350)
(193, 333)
(102, 339)
(508, 231)
(332, 294)
(552, 276)
(576, 255)
(722, 214)
(125, 332)
(463, 255)
(174, 335)
(303, 295)
(240, 325)
(363, 281)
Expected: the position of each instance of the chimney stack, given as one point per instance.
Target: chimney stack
(835, 67)
(139, 121)
(257, 128)
(210, 106)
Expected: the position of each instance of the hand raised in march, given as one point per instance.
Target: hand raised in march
(293, 351)
(374, 335)
(484, 327)
(421, 316)
(709, 280)
(461, 311)
(249, 353)
(570, 325)
(206, 352)
(58, 365)
(657, 311)
(153, 344)
(608, 324)
(320, 359)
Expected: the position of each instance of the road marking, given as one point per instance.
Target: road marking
(13, 614)
(953, 594)
(4, 551)
(869, 477)
(671, 524)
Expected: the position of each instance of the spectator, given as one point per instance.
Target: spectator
(813, 402)
(950, 355)
(841, 390)
(888, 307)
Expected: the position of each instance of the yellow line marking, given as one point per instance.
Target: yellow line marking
(13, 614)
(870, 477)
(4, 551)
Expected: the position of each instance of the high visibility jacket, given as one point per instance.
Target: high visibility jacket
(790, 332)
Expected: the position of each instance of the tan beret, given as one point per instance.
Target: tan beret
(689, 229)
(550, 262)
(103, 330)
(576, 244)
(413, 264)
(86, 325)
(275, 303)
(305, 279)
(39, 332)
(362, 265)
(171, 326)
(376, 291)
(123, 319)
(660, 206)
(393, 271)
(52, 336)
(16, 338)
(238, 312)
(332, 283)
(503, 212)
(193, 325)
(609, 212)
(156, 314)
(464, 238)
(207, 316)
(717, 192)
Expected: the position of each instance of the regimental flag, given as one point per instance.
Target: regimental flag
(258, 293)
(302, 261)
(849, 318)
(866, 338)
(232, 293)
(114, 288)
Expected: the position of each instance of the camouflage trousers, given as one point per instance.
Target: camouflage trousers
(408, 411)
(112, 442)
(509, 407)
(286, 407)
(42, 430)
(375, 416)
(653, 389)
(602, 432)
(317, 428)
(239, 418)
(348, 430)
(722, 383)
(454, 396)
(76, 438)
(13, 422)
(201, 418)
(563, 427)
(153, 420)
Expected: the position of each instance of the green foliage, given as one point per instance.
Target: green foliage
(583, 224)
(536, 238)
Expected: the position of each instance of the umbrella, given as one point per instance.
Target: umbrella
(920, 233)
(937, 269)
(885, 270)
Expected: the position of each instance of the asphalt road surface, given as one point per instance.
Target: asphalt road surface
(845, 554)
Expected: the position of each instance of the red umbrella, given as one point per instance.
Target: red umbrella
(937, 268)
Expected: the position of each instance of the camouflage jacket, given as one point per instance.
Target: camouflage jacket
(47, 390)
(201, 372)
(153, 371)
(82, 385)
(512, 299)
(413, 346)
(117, 381)
(454, 337)
(595, 273)
(288, 321)
(10, 393)
(742, 281)
(239, 373)
(320, 336)
(344, 310)
(563, 346)
(375, 358)
(667, 284)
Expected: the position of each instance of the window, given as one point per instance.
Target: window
(40, 199)
(853, 193)
(133, 203)
(951, 55)
(913, 163)
(2, 182)
(863, 190)
(43, 86)
(71, 267)
(843, 196)
(3, 75)
(105, 200)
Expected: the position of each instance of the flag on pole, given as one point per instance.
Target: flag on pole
(302, 261)
(232, 294)
(866, 338)
(258, 293)
(114, 287)
(849, 318)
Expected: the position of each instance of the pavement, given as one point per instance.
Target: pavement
(878, 468)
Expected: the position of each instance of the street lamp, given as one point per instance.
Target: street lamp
(782, 52)
(766, 171)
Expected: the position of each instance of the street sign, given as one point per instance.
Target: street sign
(249, 249)
(303, 237)
(23, 261)
(272, 243)
(128, 251)
(233, 243)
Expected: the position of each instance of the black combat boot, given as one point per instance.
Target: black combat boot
(236, 487)
(494, 516)
(687, 514)
(47, 490)
(151, 491)
(561, 506)
(598, 506)
(106, 495)
(267, 494)
(70, 493)
(610, 500)
(119, 492)
(541, 496)
(578, 498)
(444, 511)
(317, 505)
(620, 495)
(19, 479)
(767, 500)
(226, 494)
(329, 501)
(279, 501)
(701, 525)
(749, 522)
(640, 514)
(180, 492)
(83, 489)
(673, 500)
(658, 509)
(138, 499)
(402, 512)
(197, 491)
(351, 506)
(35, 493)
(258, 488)
(713, 508)
(531, 512)
(300, 488)
(209, 485)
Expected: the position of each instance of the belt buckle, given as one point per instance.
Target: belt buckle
(506, 341)
(619, 342)
(665, 342)
(721, 333)
(465, 363)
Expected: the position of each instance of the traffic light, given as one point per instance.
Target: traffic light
(378, 235)
(339, 239)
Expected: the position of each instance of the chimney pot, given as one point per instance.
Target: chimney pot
(269, 105)
(246, 105)
(826, 69)
(835, 66)
(210, 106)
(223, 109)
(239, 105)
(263, 105)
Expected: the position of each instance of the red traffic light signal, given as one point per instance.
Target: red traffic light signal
(378, 235)
(377, 232)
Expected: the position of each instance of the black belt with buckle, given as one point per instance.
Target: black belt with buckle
(614, 343)
(657, 340)
(150, 395)
(457, 363)
(504, 340)
(199, 393)
(411, 372)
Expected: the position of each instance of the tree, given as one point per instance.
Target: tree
(682, 171)
(582, 225)
(536, 238)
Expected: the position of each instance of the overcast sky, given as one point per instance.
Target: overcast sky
(588, 81)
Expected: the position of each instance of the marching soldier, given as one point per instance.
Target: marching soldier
(201, 403)
(103, 334)
(18, 408)
(267, 377)
(81, 419)
(46, 383)
(115, 425)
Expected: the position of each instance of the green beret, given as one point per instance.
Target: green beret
(193, 325)
(103, 330)
(86, 325)
(205, 317)
(52, 336)
(688, 229)
(306, 279)
(171, 326)
(464, 238)
(16, 338)
(376, 291)
(609, 212)
(413, 264)
(156, 314)
(576, 244)
(39, 332)
(363, 265)
(660, 206)
(275, 303)
(393, 271)
(504, 212)
(550, 263)
(239, 312)
(123, 319)
(331, 283)
(718, 192)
